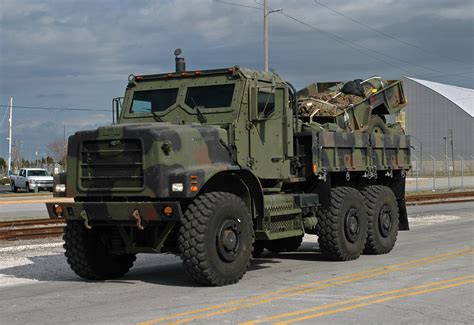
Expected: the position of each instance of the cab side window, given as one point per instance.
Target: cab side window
(266, 104)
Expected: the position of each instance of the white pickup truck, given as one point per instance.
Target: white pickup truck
(32, 179)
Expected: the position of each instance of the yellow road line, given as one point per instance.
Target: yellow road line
(252, 301)
(349, 301)
(378, 301)
(34, 201)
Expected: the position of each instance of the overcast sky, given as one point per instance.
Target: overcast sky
(78, 54)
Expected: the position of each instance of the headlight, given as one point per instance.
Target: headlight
(32, 181)
(60, 188)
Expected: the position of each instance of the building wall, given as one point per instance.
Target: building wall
(429, 116)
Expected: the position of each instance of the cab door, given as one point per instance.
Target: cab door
(270, 131)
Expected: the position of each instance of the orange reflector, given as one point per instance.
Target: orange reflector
(167, 210)
(315, 168)
(194, 177)
(194, 182)
(197, 72)
(194, 188)
(58, 210)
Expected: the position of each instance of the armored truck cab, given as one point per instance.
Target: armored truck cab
(217, 165)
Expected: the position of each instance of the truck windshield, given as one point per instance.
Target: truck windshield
(210, 96)
(38, 173)
(153, 100)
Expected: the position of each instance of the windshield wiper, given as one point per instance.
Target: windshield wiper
(200, 115)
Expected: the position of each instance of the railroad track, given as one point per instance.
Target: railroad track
(439, 198)
(45, 228)
(30, 229)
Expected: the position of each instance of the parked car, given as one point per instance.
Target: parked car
(32, 179)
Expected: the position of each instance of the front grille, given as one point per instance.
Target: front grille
(111, 164)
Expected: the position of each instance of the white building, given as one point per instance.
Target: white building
(440, 119)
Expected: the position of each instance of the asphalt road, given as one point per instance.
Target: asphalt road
(428, 278)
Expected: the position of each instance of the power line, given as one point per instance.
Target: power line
(238, 4)
(59, 108)
(353, 45)
(388, 35)
(328, 34)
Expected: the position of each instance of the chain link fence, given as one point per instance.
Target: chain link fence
(446, 173)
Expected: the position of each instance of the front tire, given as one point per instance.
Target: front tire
(88, 255)
(14, 188)
(383, 219)
(342, 228)
(216, 238)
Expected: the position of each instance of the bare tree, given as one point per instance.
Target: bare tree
(17, 155)
(58, 149)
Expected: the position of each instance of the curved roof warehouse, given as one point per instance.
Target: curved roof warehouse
(437, 111)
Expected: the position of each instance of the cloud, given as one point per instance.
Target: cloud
(79, 53)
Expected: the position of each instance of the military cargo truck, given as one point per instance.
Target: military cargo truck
(218, 165)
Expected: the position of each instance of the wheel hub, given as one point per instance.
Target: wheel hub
(351, 225)
(385, 221)
(228, 240)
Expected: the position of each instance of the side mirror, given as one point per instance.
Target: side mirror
(116, 109)
(253, 104)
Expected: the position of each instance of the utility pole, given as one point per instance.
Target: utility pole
(265, 35)
(266, 12)
(10, 120)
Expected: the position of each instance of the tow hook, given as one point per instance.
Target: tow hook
(86, 219)
(136, 216)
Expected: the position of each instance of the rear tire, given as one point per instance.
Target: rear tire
(216, 239)
(383, 219)
(89, 257)
(342, 228)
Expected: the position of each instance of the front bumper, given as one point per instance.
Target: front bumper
(116, 211)
(40, 186)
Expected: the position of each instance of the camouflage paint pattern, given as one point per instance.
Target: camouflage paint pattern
(145, 159)
(116, 170)
(346, 152)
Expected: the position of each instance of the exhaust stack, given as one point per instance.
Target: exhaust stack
(180, 64)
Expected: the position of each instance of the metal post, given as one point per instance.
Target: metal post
(434, 173)
(449, 174)
(265, 35)
(416, 175)
(446, 154)
(451, 136)
(462, 172)
(10, 120)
